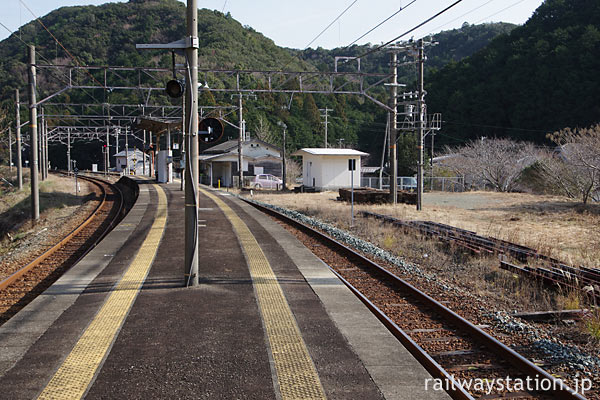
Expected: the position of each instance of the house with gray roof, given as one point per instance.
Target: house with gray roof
(219, 164)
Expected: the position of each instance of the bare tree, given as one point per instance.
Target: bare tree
(574, 167)
(495, 162)
(262, 130)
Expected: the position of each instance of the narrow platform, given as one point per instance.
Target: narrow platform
(268, 321)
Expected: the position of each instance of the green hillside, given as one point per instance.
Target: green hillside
(107, 34)
(539, 78)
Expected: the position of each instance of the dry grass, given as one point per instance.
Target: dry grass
(555, 226)
(56, 193)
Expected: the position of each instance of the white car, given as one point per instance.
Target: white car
(266, 181)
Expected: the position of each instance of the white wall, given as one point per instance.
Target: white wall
(329, 172)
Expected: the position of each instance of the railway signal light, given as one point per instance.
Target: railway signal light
(175, 88)
(210, 130)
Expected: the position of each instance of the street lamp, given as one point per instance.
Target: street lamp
(284, 126)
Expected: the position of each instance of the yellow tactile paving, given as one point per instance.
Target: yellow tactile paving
(296, 373)
(72, 379)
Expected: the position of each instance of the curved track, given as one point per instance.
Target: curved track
(450, 347)
(23, 285)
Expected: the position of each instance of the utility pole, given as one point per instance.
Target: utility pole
(431, 161)
(326, 115)
(241, 137)
(144, 152)
(385, 138)
(107, 155)
(69, 151)
(47, 164)
(18, 133)
(192, 168)
(393, 126)
(126, 153)
(35, 193)
(10, 162)
(284, 126)
(42, 145)
(420, 122)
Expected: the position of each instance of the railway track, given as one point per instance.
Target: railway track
(27, 282)
(462, 356)
(547, 270)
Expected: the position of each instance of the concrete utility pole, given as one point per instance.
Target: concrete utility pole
(107, 153)
(47, 164)
(35, 189)
(126, 153)
(385, 139)
(144, 152)
(326, 115)
(10, 162)
(42, 145)
(393, 126)
(69, 150)
(284, 175)
(18, 133)
(192, 168)
(420, 122)
(240, 139)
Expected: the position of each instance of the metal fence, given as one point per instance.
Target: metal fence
(438, 183)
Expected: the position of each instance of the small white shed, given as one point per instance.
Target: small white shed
(328, 169)
(136, 161)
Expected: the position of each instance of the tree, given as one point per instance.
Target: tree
(575, 167)
(497, 162)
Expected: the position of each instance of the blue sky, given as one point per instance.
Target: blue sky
(296, 23)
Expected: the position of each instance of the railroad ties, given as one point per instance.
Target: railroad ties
(547, 270)
(452, 348)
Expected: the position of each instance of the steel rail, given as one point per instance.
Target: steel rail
(22, 271)
(494, 345)
(477, 244)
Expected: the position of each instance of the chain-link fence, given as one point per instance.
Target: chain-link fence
(436, 183)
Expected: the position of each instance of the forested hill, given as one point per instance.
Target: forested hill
(453, 45)
(541, 77)
(107, 34)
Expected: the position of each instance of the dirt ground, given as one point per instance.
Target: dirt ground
(60, 211)
(557, 226)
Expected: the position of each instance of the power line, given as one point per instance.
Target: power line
(410, 30)
(459, 17)
(64, 78)
(504, 9)
(381, 23)
(61, 45)
(332, 22)
(495, 126)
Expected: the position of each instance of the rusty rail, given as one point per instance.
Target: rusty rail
(503, 351)
(22, 271)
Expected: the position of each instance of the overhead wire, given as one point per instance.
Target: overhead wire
(319, 35)
(460, 16)
(381, 23)
(63, 78)
(409, 31)
(329, 26)
(62, 46)
(501, 11)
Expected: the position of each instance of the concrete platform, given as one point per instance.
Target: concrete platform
(211, 342)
